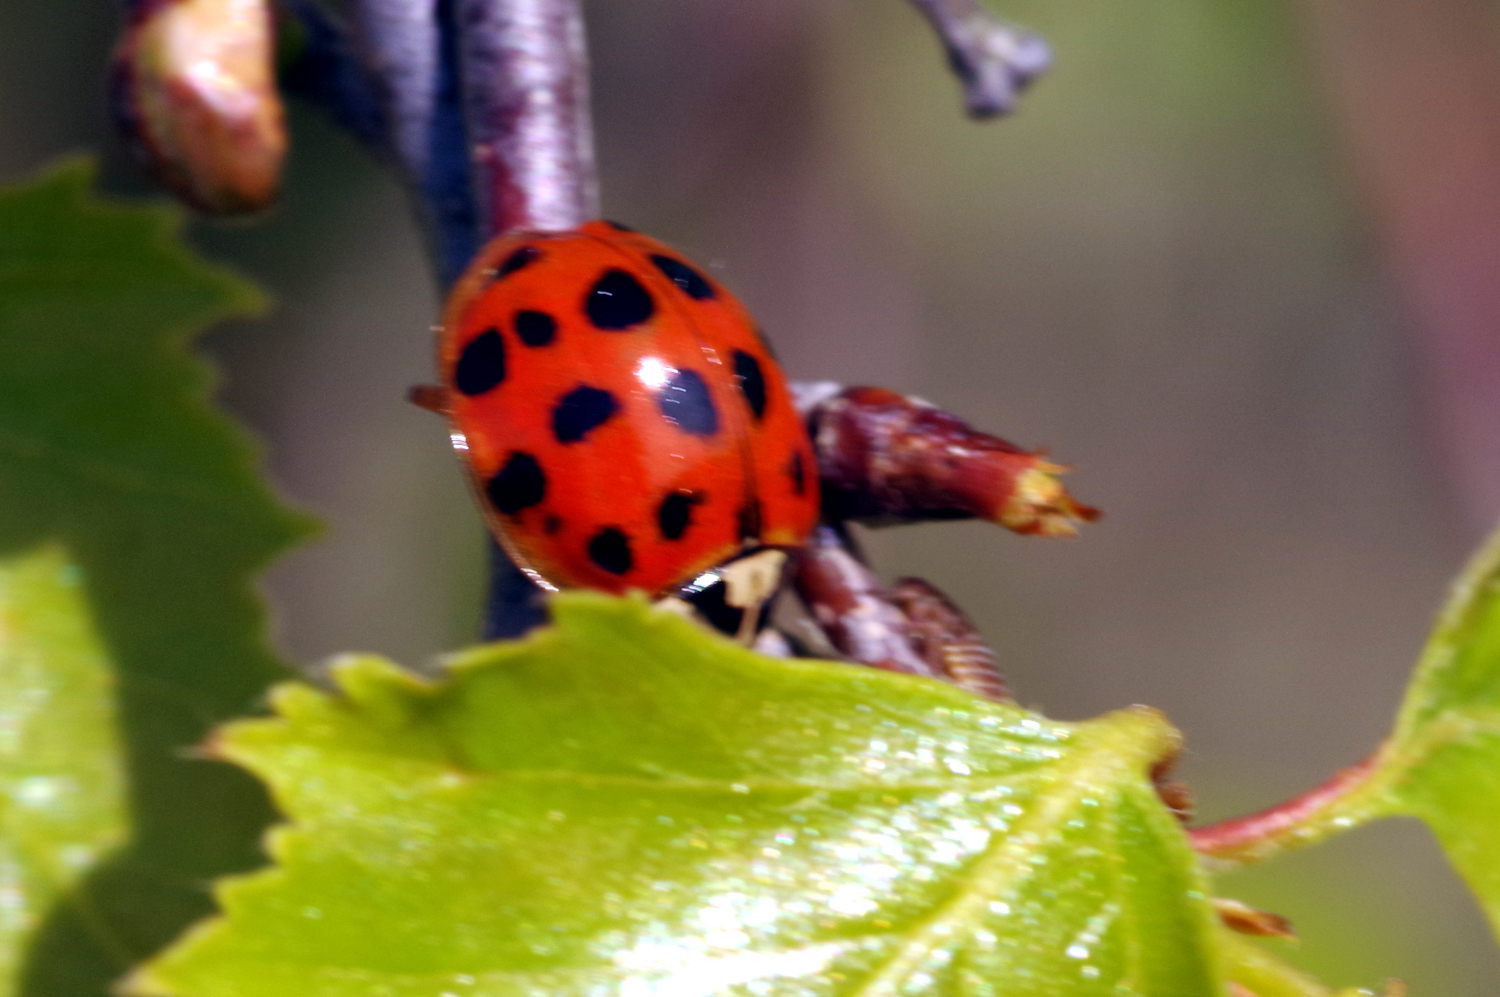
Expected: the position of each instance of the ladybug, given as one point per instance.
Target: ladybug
(622, 420)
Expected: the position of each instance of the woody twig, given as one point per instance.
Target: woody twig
(482, 107)
(994, 61)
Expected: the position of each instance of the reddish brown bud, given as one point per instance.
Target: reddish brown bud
(1178, 797)
(1176, 794)
(889, 458)
(195, 87)
(1248, 920)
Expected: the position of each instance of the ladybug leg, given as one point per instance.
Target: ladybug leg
(946, 637)
(846, 601)
(886, 458)
(911, 628)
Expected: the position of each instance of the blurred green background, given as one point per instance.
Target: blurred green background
(1233, 260)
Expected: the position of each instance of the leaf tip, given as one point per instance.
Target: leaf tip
(1151, 730)
(365, 677)
(70, 176)
(154, 978)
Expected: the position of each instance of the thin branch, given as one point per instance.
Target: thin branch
(513, 604)
(524, 66)
(401, 40)
(329, 73)
(1335, 805)
(995, 61)
(390, 78)
(848, 601)
(530, 142)
(410, 46)
(482, 106)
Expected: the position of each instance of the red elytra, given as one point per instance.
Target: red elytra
(623, 422)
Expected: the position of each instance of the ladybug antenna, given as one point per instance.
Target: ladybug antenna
(432, 397)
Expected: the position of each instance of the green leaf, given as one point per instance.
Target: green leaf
(110, 451)
(1266, 975)
(625, 804)
(1442, 762)
(62, 770)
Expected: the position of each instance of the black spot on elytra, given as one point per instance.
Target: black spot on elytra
(610, 549)
(749, 520)
(685, 277)
(525, 256)
(618, 301)
(580, 411)
(618, 227)
(535, 328)
(519, 485)
(685, 400)
(481, 366)
(552, 524)
(752, 382)
(797, 472)
(675, 514)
